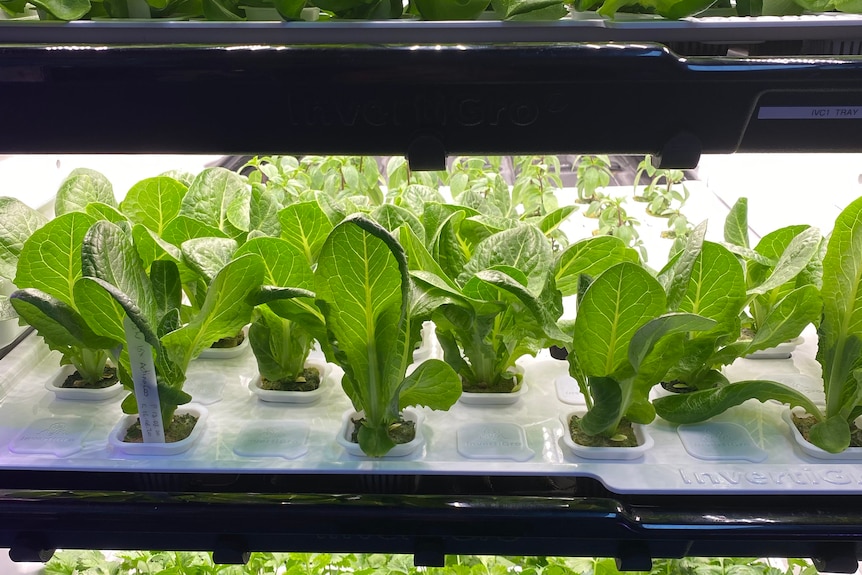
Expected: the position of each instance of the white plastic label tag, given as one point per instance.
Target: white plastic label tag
(810, 113)
(144, 377)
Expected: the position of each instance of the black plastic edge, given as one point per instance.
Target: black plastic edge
(383, 100)
(713, 31)
(33, 523)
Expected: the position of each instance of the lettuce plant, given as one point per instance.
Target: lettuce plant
(48, 273)
(839, 351)
(707, 279)
(373, 314)
(615, 354)
(161, 231)
(782, 276)
(281, 348)
(44, 260)
(197, 227)
(503, 305)
(287, 321)
(510, 305)
(115, 284)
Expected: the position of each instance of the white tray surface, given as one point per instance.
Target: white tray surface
(667, 468)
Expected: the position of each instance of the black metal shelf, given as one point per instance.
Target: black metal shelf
(383, 95)
(424, 101)
(432, 526)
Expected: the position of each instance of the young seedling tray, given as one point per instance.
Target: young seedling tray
(749, 449)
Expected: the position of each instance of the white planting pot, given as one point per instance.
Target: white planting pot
(303, 397)
(226, 352)
(608, 453)
(496, 398)
(780, 351)
(400, 450)
(55, 384)
(177, 447)
(849, 454)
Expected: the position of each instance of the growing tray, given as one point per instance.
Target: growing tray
(749, 449)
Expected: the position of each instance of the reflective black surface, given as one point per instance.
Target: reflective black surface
(426, 515)
(383, 100)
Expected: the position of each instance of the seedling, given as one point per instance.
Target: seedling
(662, 195)
(354, 178)
(594, 172)
(615, 221)
(536, 179)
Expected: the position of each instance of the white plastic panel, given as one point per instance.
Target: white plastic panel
(310, 432)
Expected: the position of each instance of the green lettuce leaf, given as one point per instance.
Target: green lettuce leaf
(699, 406)
(618, 303)
(280, 346)
(219, 198)
(154, 202)
(305, 226)
(226, 309)
(18, 222)
(207, 256)
(589, 257)
(82, 186)
(736, 224)
(50, 260)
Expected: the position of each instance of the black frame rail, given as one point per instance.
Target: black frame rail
(584, 28)
(34, 523)
(425, 101)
